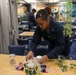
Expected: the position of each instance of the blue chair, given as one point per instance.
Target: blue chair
(23, 42)
(24, 23)
(73, 51)
(17, 50)
(20, 30)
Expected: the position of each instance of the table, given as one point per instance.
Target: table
(26, 34)
(7, 69)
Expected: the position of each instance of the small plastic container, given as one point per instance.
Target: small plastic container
(12, 59)
(39, 57)
(31, 67)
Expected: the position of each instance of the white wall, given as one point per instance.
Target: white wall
(33, 5)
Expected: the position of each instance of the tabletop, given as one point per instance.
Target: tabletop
(27, 33)
(7, 69)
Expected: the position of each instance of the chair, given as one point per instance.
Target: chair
(17, 50)
(24, 22)
(73, 51)
(24, 42)
(25, 25)
(33, 28)
(20, 30)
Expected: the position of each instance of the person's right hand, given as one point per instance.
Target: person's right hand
(29, 55)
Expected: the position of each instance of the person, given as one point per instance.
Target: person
(49, 12)
(48, 9)
(31, 18)
(52, 32)
(26, 13)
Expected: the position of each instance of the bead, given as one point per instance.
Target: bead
(43, 66)
(43, 70)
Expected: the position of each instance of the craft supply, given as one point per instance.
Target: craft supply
(43, 70)
(20, 66)
(38, 57)
(12, 59)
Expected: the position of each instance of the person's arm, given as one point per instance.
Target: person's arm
(59, 45)
(36, 39)
(34, 43)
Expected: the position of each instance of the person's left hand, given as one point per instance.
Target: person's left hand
(43, 59)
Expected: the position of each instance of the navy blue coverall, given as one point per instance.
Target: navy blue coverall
(58, 43)
(32, 21)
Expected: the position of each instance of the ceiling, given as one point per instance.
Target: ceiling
(39, 1)
(65, 0)
(33, 1)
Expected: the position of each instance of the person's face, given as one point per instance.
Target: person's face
(43, 24)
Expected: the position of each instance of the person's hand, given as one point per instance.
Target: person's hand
(43, 59)
(29, 55)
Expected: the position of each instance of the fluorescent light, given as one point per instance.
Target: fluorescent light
(50, 1)
(54, 1)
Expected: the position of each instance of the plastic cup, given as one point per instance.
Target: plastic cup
(12, 59)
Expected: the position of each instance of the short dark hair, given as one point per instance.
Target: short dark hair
(34, 10)
(42, 13)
